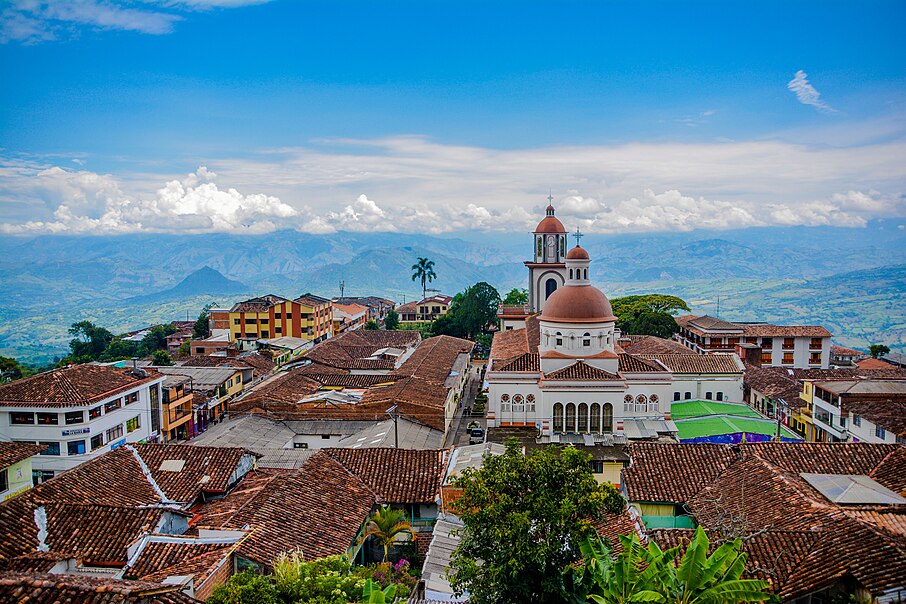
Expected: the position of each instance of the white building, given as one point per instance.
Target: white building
(565, 373)
(793, 346)
(80, 412)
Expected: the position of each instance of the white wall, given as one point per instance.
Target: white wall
(88, 428)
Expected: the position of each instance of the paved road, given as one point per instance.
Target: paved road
(457, 434)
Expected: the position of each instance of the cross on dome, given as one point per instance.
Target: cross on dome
(578, 236)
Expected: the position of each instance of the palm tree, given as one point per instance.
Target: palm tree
(649, 574)
(385, 525)
(424, 270)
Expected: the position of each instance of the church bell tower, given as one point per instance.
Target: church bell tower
(547, 268)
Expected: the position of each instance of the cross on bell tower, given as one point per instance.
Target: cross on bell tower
(578, 236)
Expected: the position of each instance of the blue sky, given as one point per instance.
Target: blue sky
(439, 115)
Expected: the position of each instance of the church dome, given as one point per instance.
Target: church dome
(550, 223)
(577, 253)
(578, 304)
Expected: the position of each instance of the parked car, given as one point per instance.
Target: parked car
(476, 436)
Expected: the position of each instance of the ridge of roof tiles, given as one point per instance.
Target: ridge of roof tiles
(580, 370)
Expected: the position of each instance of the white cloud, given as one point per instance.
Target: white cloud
(807, 94)
(91, 203)
(411, 184)
(35, 21)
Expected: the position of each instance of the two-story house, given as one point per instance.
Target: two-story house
(80, 412)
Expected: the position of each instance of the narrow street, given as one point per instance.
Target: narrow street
(457, 435)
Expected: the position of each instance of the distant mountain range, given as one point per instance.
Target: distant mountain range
(204, 281)
(849, 279)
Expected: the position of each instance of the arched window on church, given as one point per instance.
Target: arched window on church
(586, 339)
(586, 274)
(595, 418)
(570, 273)
(559, 339)
(558, 417)
(550, 287)
(570, 417)
(608, 418)
(583, 418)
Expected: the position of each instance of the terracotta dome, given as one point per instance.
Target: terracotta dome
(550, 224)
(577, 253)
(577, 304)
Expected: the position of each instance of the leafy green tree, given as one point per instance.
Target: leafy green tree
(120, 349)
(650, 314)
(525, 517)
(385, 525)
(11, 369)
(89, 341)
(324, 580)
(202, 327)
(516, 297)
(877, 350)
(245, 588)
(649, 574)
(161, 357)
(471, 312)
(392, 320)
(371, 325)
(423, 271)
(156, 338)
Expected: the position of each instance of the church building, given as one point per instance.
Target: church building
(560, 364)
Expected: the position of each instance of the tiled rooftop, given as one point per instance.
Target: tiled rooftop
(28, 588)
(415, 477)
(697, 363)
(71, 386)
(13, 453)
(581, 371)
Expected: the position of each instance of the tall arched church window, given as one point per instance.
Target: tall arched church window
(586, 273)
(586, 339)
(570, 417)
(540, 248)
(653, 401)
(583, 418)
(558, 417)
(608, 418)
(559, 339)
(570, 273)
(550, 287)
(595, 418)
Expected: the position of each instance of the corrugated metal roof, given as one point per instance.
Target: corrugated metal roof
(852, 489)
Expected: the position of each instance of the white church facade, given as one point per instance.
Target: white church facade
(560, 366)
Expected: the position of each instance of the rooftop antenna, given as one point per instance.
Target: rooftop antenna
(342, 287)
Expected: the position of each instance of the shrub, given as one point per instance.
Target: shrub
(245, 588)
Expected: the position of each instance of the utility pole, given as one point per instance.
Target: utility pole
(396, 433)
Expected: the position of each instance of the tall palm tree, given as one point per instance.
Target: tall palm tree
(424, 270)
(385, 525)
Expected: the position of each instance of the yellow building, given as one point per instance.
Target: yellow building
(424, 311)
(266, 317)
(15, 467)
(177, 409)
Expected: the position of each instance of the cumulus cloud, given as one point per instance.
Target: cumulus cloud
(34, 21)
(85, 202)
(807, 94)
(411, 184)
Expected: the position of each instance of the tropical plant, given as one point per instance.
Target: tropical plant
(649, 574)
(373, 594)
(524, 518)
(423, 271)
(385, 525)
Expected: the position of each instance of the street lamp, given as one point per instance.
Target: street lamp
(396, 434)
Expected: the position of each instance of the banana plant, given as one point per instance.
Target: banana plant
(373, 594)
